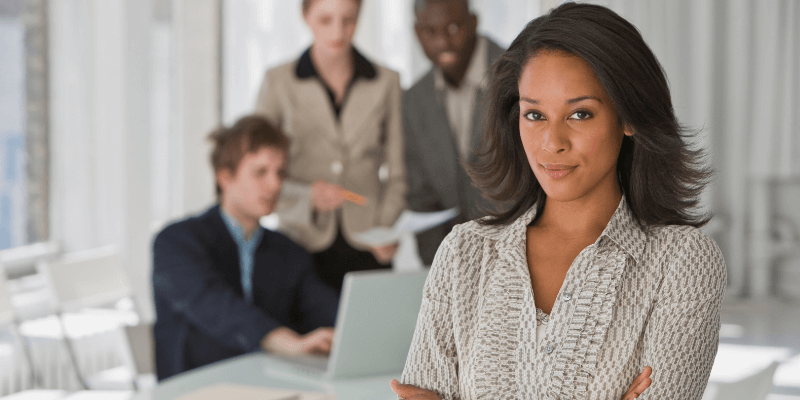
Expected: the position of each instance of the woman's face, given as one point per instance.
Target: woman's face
(568, 127)
(332, 23)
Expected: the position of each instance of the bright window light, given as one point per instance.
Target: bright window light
(788, 373)
(731, 331)
(735, 362)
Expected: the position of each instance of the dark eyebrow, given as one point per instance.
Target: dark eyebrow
(570, 101)
(582, 98)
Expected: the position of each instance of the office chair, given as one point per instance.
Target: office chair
(8, 321)
(86, 279)
(754, 387)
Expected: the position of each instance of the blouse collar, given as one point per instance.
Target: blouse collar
(623, 229)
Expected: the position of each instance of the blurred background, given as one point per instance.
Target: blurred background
(105, 106)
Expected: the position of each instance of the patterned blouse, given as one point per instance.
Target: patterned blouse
(636, 297)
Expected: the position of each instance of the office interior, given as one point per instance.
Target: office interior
(105, 106)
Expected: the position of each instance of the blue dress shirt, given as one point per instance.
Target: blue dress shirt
(247, 249)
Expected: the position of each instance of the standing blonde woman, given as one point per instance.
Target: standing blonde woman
(342, 113)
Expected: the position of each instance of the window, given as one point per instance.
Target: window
(23, 123)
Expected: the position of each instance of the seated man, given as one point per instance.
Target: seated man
(225, 286)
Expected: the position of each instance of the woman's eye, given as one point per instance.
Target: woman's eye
(533, 116)
(580, 115)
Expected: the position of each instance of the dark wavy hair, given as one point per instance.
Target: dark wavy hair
(660, 174)
(248, 135)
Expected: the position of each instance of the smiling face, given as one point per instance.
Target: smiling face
(333, 23)
(447, 32)
(252, 191)
(569, 128)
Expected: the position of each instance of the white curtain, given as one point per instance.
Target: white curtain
(734, 70)
(99, 94)
(258, 34)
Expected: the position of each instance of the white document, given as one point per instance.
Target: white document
(230, 391)
(408, 222)
(295, 203)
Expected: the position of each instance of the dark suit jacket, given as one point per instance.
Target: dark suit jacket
(436, 179)
(201, 313)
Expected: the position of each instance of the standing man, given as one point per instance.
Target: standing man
(443, 115)
(225, 286)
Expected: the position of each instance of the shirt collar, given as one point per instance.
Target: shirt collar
(362, 68)
(623, 230)
(475, 75)
(236, 230)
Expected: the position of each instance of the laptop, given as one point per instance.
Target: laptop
(374, 327)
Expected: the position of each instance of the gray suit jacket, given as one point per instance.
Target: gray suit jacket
(436, 178)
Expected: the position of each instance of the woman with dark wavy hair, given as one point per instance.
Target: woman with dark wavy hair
(593, 281)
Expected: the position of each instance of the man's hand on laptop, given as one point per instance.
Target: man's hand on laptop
(288, 342)
(384, 254)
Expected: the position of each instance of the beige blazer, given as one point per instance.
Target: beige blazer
(350, 151)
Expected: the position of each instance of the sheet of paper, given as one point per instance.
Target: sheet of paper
(412, 221)
(408, 221)
(231, 391)
(295, 204)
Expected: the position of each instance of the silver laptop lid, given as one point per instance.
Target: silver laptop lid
(376, 321)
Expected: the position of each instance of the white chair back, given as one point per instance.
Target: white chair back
(753, 387)
(8, 321)
(88, 279)
(6, 310)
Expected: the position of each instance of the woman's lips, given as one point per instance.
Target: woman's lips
(557, 171)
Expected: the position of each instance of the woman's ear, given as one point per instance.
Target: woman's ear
(627, 131)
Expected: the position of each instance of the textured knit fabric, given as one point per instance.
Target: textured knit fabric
(636, 297)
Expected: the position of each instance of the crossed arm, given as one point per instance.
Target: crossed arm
(411, 392)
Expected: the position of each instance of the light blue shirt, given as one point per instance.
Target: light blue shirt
(247, 249)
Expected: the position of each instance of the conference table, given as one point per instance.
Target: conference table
(259, 369)
(736, 369)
